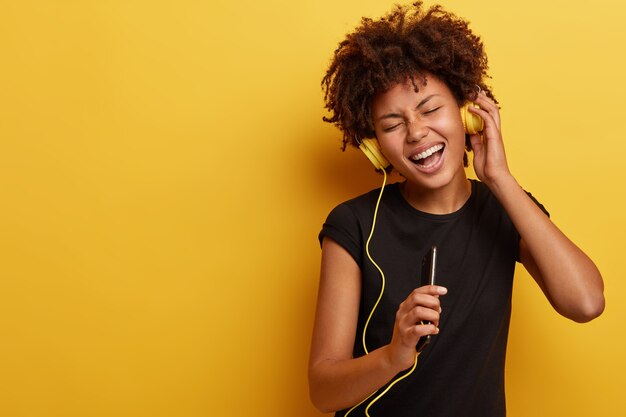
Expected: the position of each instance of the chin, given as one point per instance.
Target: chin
(447, 176)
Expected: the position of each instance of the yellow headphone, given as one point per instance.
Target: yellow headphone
(371, 148)
(471, 122)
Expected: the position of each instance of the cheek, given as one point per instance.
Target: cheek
(451, 127)
(390, 145)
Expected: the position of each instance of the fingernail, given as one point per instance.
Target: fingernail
(442, 290)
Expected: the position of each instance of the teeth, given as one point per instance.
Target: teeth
(428, 152)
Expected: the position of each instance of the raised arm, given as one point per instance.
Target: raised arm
(336, 379)
(567, 276)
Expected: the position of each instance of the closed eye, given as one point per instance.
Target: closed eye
(432, 110)
(392, 128)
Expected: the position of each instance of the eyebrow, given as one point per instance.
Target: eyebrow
(397, 115)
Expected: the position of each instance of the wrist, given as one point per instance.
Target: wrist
(396, 362)
(502, 183)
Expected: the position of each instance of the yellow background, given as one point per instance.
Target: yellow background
(164, 172)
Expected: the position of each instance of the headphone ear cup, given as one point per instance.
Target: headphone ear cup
(472, 123)
(371, 149)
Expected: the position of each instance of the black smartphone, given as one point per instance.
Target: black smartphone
(429, 269)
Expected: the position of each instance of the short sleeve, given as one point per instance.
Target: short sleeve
(538, 204)
(343, 226)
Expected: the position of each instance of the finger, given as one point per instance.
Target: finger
(484, 99)
(410, 334)
(416, 308)
(431, 289)
(488, 106)
(421, 298)
(476, 142)
(487, 115)
(420, 314)
(412, 315)
(421, 330)
(491, 129)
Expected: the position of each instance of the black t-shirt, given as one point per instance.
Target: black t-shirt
(461, 371)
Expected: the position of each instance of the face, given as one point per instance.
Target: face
(421, 133)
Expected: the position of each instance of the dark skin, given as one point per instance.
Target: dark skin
(373, 89)
(569, 279)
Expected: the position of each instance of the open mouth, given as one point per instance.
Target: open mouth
(429, 157)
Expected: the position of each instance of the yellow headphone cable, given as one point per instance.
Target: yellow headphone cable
(382, 290)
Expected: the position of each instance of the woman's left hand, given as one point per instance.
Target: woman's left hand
(489, 156)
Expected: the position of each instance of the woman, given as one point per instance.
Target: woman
(402, 80)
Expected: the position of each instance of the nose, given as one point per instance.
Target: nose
(416, 130)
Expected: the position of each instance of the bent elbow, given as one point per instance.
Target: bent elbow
(319, 403)
(320, 407)
(317, 394)
(590, 302)
(590, 310)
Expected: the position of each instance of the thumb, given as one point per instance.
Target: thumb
(477, 143)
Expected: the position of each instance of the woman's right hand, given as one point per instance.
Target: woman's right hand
(337, 379)
(421, 305)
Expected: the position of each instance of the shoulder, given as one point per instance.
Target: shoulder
(485, 196)
(362, 206)
(348, 223)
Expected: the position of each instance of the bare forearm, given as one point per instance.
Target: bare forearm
(338, 384)
(569, 278)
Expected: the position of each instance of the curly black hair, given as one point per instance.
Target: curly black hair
(403, 45)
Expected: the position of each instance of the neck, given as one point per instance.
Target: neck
(444, 200)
